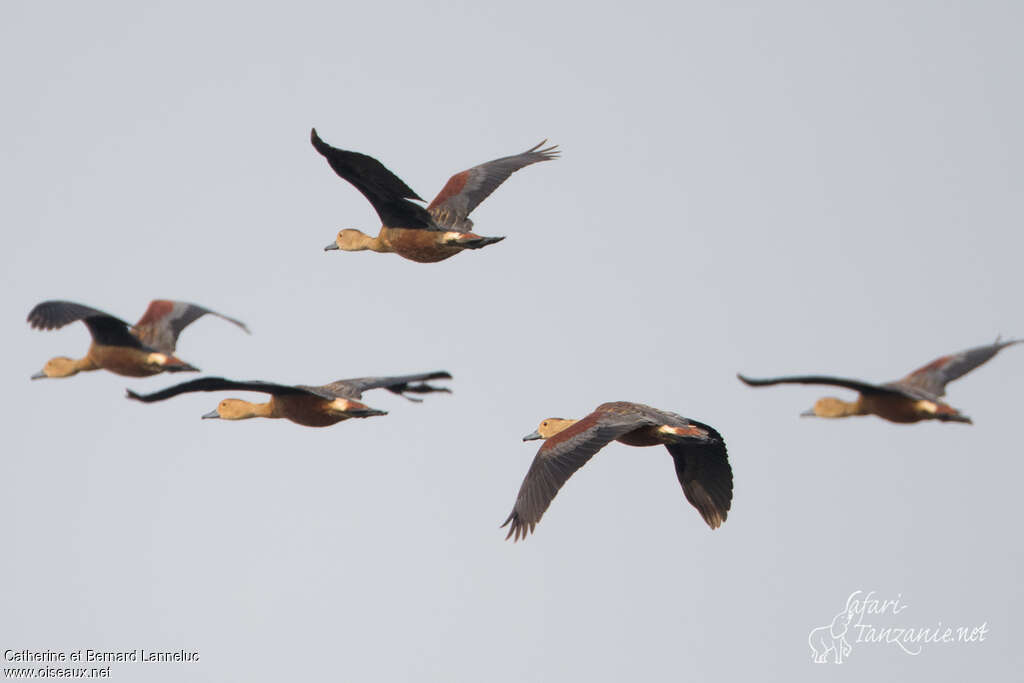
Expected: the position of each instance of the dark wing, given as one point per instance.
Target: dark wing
(104, 328)
(464, 191)
(863, 387)
(216, 384)
(400, 384)
(388, 194)
(164, 320)
(557, 459)
(933, 378)
(705, 474)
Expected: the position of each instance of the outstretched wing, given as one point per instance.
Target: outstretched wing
(164, 320)
(104, 328)
(705, 475)
(863, 387)
(400, 384)
(464, 191)
(216, 384)
(933, 378)
(388, 194)
(557, 460)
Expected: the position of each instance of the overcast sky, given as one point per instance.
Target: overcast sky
(815, 187)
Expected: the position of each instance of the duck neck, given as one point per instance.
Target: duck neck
(84, 365)
(364, 242)
(268, 409)
(846, 408)
(70, 366)
(237, 409)
(857, 407)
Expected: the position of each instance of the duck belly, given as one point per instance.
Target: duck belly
(898, 408)
(124, 360)
(422, 246)
(308, 411)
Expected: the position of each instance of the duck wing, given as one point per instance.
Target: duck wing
(705, 474)
(104, 328)
(465, 190)
(218, 384)
(856, 385)
(558, 458)
(399, 384)
(933, 377)
(164, 320)
(382, 188)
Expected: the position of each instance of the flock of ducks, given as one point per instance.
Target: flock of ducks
(435, 233)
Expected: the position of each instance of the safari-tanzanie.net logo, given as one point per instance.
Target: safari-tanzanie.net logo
(873, 620)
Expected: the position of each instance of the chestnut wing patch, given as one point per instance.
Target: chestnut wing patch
(556, 461)
(933, 377)
(465, 190)
(164, 320)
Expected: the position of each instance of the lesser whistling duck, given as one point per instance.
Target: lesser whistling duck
(310, 406)
(147, 348)
(702, 464)
(430, 234)
(911, 399)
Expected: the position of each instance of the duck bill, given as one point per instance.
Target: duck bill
(809, 413)
(212, 415)
(39, 375)
(331, 247)
(533, 436)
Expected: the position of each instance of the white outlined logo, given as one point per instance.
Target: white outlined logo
(870, 619)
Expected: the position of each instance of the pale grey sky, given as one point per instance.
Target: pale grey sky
(811, 187)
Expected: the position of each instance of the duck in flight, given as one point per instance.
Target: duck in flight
(430, 234)
(310, 406)
(914, 398)
(701, 461)
(139, 350)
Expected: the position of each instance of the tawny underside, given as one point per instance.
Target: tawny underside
(422, 246)
(306, 410)
(124, 360)
(901, 409)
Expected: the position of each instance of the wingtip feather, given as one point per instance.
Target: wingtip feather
(318, 144)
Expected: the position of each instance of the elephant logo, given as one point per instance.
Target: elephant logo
(832, 638)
